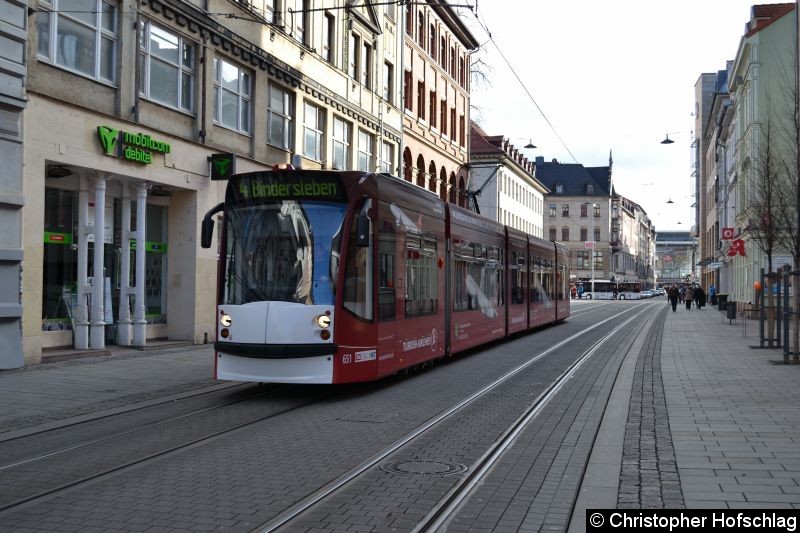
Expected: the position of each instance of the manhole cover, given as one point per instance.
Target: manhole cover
(423, 467)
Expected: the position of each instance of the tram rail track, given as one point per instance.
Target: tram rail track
(307, 504)
(447, 506)
(20, 468)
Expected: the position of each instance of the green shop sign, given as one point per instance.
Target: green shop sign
(51, 237)
(136, 147)
(158, 247)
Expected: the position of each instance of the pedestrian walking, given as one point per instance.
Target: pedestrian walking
(580, 291)
(712, 294)
(700, 296)
(688, 296)
(673, 295)
(681, 293)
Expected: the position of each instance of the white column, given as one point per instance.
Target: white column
(80, 335)
(97, 326)
(124, 331)
(139, 321)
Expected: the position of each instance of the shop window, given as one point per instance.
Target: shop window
(59, 263)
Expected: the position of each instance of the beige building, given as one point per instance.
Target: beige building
(504, 183)
(125, 109)
(436, 63)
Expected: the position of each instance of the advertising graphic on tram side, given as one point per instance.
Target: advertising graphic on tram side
(336, 277)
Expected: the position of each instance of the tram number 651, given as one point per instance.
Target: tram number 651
(347, 359)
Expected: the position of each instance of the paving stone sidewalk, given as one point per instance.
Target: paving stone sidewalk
(734, 414)
(49, 392)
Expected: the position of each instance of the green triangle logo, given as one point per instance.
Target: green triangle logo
(108, 139)
(222, 166)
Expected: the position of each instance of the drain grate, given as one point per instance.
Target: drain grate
(423, 467)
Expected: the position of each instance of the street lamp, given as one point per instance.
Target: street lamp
(594, 244)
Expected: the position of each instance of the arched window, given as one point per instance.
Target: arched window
(432, 177)
(407, 165)
(453, 189)
(462, 192)
(421, 171)
(443, 184)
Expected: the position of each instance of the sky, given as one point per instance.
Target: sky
(616, 75)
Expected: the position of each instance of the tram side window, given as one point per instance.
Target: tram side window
(357, 279)
(462, 255)
(517, 267)
(493, 285)
(386, 300)
(422, 287)
(547, 286)
(536, 281)
(563, 289)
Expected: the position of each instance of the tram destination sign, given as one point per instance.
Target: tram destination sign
(137, 147)
(289, 185)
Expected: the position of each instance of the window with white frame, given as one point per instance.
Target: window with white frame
(387, 157)
(341, 143)
(279, 119)
(388, 82)
(313, 124)
(232, 90)
(364, 151)
(328, 37)
(167, 68)
(353, 56)
(366, 65)
(301, 14)
(79, 35)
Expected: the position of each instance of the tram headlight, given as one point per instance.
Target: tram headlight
(225, 320)
(323, 321)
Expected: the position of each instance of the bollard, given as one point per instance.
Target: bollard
(762, 306)
(786, 316)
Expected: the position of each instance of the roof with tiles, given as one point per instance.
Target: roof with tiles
(574, 178)
(763, 15)
(482, 144)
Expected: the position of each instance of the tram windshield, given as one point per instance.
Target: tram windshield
(285, 250)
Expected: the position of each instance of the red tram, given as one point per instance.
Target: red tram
(335, 277)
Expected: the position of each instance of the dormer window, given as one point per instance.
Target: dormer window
(589, 188)
(559, 188)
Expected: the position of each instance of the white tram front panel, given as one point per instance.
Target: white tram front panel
(278, 342)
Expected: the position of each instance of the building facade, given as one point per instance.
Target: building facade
(676, 254)
(436, 76)
(126, 107)
(504, 184)
(578, 214)
(632, 243)
(13, 101)
(761, 83)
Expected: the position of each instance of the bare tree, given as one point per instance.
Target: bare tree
(762, 213)
(789, 194)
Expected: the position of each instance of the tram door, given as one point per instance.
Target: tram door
(388, 279)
